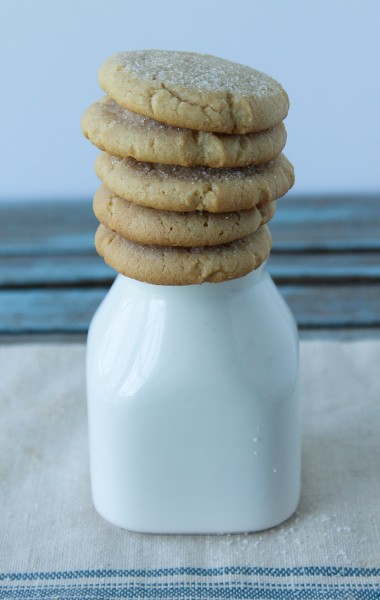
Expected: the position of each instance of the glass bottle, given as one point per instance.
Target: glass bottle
(193, 406)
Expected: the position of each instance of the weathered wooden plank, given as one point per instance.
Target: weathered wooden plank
(328, 266)
(79, 270)
(67, 337)
(334, 305)
(48, 311)
(90, 269)
(301, 223)
(70, 310)
(340, 222)
(39, 227)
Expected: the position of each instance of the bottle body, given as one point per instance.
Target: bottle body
(193, 407)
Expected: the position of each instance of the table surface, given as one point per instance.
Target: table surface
(53, 544)
(325, 261)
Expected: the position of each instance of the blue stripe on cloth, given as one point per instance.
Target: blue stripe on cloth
(195, 571)
(298, 583)
(235, 590)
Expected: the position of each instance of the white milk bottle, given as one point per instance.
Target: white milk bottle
(193, 406)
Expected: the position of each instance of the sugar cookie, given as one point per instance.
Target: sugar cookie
(168, 228)
(183, 266)
(123, 133)
(183, 189)
(193, 90)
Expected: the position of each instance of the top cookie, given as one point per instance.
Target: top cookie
(196, 91)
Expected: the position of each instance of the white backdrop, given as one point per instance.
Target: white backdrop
(324, 52)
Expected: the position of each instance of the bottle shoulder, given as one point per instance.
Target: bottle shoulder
(243, 339)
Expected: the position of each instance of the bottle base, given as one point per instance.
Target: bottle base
(208, 525)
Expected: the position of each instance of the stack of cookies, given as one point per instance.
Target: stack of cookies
(191, 165)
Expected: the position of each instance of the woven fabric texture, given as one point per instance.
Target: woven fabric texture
(54, 545)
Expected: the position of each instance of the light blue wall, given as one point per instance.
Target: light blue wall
(324, 52)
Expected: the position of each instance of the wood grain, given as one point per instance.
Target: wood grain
(337, 223)
(329, 223)
(70, 310)
(325, 260)
(80, 270)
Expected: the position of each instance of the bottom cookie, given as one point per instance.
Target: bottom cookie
(183, 266)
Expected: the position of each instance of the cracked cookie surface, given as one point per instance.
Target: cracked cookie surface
(123, 133)
(186, 189)
(183, 266)
(198, 91)
(167, 228)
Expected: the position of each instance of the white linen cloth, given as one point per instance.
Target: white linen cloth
(54, 545)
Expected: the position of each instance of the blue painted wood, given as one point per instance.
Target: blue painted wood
(344, 306)
(325, 259)
(328, 267)
(48, 311)
(43, 228)
(22, 271)
(70, 310)
(79, 270)
(337, 223)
